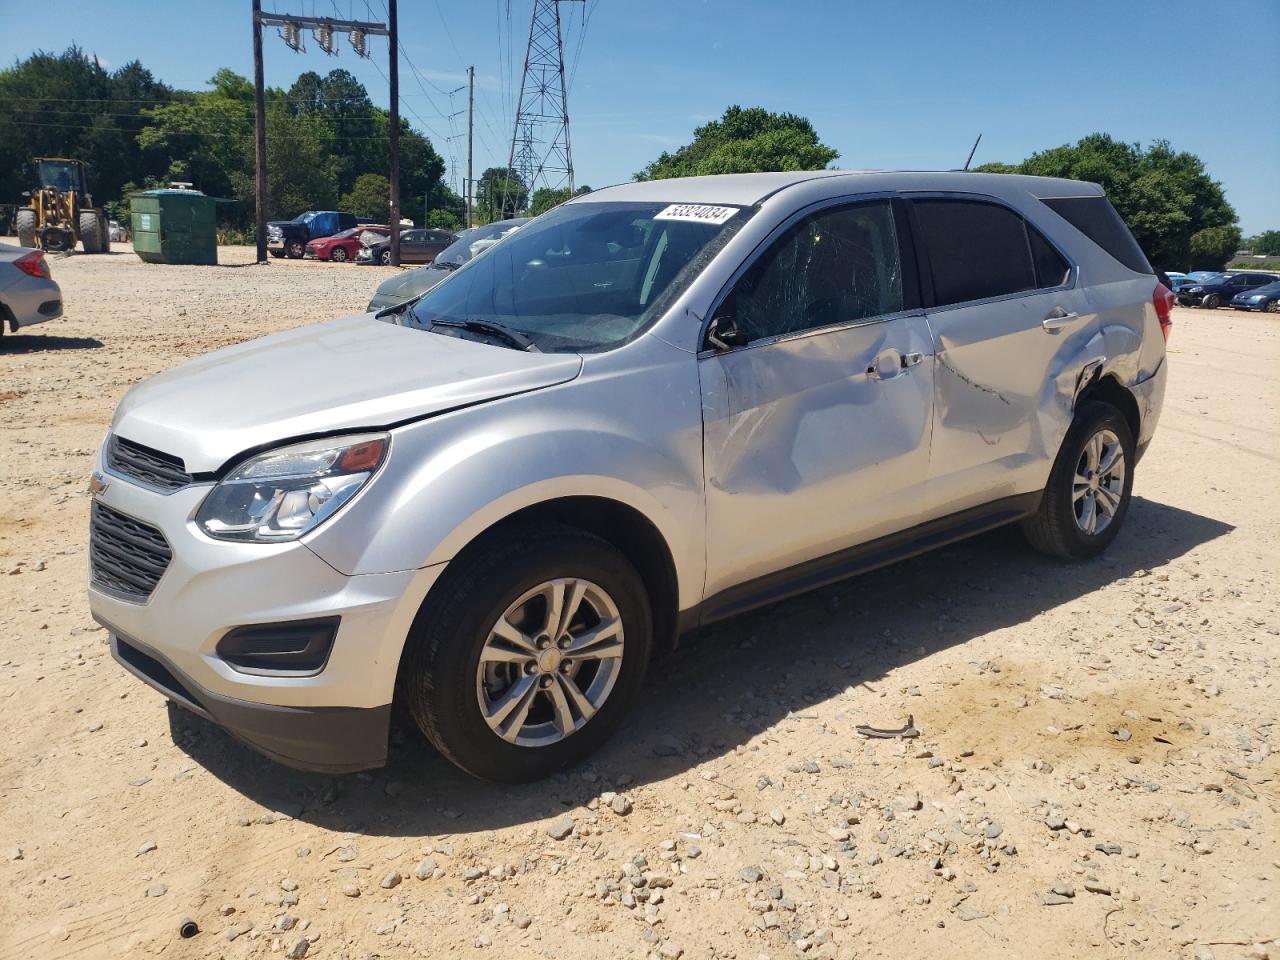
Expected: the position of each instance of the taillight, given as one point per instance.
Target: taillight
(33, 264)
(1163, 299)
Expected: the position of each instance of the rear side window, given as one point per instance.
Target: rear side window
(1051, 269)
(976, 250)
(1098, 220)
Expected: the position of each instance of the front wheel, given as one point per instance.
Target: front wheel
(295, 249)
(339, 255)
(1087, 496)
(528, 653)
(384, 258)
(1273, 306)
(1211, 302)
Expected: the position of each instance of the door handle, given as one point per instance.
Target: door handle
(1059, 318)
(892, 363)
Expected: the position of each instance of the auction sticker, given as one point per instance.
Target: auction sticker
(697, 213)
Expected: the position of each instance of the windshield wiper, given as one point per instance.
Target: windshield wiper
(513, 337)
(397, 307)
(446, 264)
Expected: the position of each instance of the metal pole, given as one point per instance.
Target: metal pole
(564, 100)
(471, 109)
(395, 131)
(260, 135)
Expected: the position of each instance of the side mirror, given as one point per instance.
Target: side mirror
(723, 334)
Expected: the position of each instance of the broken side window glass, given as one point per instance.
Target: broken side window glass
(836, 266)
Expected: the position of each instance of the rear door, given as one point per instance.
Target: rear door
(412, 247)
(1005, 312)
(816, 430)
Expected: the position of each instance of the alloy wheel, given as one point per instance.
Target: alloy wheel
(339, 254)
(1098, 485)
(550, 662)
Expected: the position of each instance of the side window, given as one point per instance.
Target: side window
(836, 266)
(976, 250)
(1051, 269)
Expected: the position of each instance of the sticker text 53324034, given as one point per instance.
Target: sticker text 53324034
(697, 213)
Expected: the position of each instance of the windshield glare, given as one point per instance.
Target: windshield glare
(473, 241)
(582, 277)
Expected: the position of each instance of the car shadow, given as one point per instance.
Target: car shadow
(41, 343)
(725, 684)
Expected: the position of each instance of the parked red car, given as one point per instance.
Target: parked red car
(343, 246)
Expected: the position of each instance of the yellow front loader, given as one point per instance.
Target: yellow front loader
(60, 212)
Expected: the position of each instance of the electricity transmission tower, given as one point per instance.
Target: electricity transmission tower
(540, 154)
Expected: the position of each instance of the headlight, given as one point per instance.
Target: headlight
(1195, 289)
(282, 494)
(1258, 299)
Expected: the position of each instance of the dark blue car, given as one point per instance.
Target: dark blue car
(1260, 298)
(1222, 288)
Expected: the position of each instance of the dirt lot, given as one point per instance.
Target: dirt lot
(1096, 773)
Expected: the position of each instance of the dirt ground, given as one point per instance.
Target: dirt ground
(1096, 772)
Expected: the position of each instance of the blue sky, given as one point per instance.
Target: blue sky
(889, 84)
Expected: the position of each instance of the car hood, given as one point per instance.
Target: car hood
(346, 374)
(411, 284)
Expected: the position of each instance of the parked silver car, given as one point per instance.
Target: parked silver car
(655, 406)
(28, 293)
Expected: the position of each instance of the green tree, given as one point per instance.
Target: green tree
(545, 198)
(745, 141)
(1166, 196)
(1213, 247)
(495, 187)
(1266, 243)
(369, 197)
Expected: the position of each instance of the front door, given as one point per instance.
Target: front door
(816, 428)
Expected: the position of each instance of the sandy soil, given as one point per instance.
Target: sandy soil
(1096, 773)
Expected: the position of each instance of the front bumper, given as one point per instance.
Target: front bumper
(211, 587)
(324, 739)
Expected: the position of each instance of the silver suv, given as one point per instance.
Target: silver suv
(653, 407)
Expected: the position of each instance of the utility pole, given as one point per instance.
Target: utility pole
(540, 153)
(395, 132)
(259, 136)
(471, 129)
(358, 32)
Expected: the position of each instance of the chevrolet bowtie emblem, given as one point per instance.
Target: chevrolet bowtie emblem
(97, 484)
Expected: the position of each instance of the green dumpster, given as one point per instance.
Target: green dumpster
(175, 226)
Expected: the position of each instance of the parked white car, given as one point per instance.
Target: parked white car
(655, 406)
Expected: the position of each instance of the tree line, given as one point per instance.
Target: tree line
(327, 144)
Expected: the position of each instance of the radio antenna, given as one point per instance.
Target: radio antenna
(973, 151)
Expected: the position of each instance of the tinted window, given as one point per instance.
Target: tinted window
(832, 267)
(1098, 220)
(976, 250)
(1051, 269)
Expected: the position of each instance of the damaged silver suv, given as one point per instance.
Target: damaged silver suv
(658, 405)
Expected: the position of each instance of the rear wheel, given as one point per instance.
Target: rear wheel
(92, 235)
(339, 255)
(528, 653)
(1087, 496)
(1211, 302)
(25, 224)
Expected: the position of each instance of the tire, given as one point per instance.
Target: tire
(91, 235)
(446, 684)
(276, 253)
(1273, 306)
(25, 225)
(384, 257)
(1211, 302)
(1058, 527)
(295, 249)
(339, 255)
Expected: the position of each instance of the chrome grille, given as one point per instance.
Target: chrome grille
(150, 467)
(127, 557)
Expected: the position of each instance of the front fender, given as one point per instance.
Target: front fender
(450, 478)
